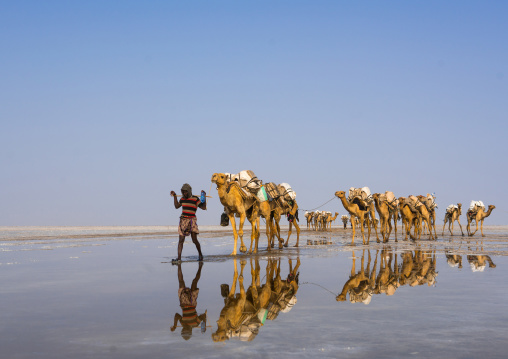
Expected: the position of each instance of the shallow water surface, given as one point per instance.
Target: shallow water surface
(105, 293)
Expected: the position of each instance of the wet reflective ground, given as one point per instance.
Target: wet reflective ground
(113, 293)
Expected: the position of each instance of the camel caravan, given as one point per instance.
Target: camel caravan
(245, 196)
(320, 220)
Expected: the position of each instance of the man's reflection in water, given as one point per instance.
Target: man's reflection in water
(245, 312)
(417, 268)
(188, 302)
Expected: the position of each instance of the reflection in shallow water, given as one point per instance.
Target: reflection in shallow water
(417, 268)
(189, 319)
(245, 312)
(477, 262)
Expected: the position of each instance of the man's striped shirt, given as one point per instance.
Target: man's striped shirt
(189, 206)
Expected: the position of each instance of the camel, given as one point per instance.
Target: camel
(276, 213)
(309, 217)
(236, 203)
(426, 216)
(359, 284)
(386, 213)
(479, 216)
(387, 279)
(409, 218)
(478, 262)
(451, 217)
(231, 315)
(356, 212)
(453, 260)
(331, 219)
(429, 202)
(284, 290)
(318, 220)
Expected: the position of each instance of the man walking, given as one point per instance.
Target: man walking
(188, 221)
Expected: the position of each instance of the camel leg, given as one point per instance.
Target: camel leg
(235, 233)
(434, 223)
(269, 231)
(476, 230)
(373, 217)
(427, 222)
(243, 248)
(382, 228)
(258, 233)
(481, 227)
(362, 221)
(353, 226)
(281, 240)
(389, 223)
(444, 225)
(297, 233)
(369, 230)
(240, 278)
(458, 220)
(289, 234)
(235, 278)
(255, 228)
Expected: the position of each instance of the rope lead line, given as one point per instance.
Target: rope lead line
(318, 285)
(310, 210)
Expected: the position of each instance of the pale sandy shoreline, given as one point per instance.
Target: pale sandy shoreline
(495, 241)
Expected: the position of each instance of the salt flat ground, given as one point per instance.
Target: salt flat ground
(109, 292)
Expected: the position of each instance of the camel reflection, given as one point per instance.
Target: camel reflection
(245, 312)
(417, 268)
(478, 262)
(453, 260)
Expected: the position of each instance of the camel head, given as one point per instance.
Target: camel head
(341, 298)
(219, 178)
(491, 207)
(459, 205)
(223, 327)
(340, 194)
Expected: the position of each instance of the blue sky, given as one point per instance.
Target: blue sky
(106, 106)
